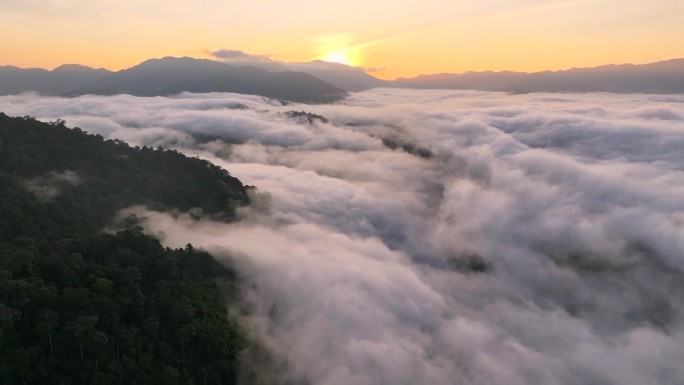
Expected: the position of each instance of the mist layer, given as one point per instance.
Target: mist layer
(438, 237)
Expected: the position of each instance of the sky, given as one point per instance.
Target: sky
(396, 38)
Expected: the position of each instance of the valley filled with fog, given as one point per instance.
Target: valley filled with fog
(437, 237)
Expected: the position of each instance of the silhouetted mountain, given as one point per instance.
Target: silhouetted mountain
(171, 75)
(345, 77)
(321, 82)
(14, 80)
(268, 65)
(348, 78)
(660, 77)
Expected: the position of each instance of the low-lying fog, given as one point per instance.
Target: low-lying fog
(439, 237)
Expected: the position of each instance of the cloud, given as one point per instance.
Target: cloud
(662, 113)
(541, 243)
(236, 55)
(49, 186)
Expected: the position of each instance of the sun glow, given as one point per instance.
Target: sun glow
(337, 57)
(337, 49)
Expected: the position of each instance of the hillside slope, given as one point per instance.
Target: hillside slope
(78, 306)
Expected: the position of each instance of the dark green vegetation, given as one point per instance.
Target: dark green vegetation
(306, 116)
(410, 148)
(78, 306)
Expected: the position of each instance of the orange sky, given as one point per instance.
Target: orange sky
(403, 38)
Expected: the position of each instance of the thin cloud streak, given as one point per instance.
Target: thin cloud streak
(470, 20)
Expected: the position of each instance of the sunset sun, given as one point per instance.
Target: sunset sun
(337, 57)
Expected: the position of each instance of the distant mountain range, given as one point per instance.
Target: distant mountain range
(62, 79)
(168, 76)
(322, 82)
(348, 78)
(665, 77)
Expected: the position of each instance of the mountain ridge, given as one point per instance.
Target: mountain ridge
(171, 75)
(167, 76)
(657, 77)
(321, 82)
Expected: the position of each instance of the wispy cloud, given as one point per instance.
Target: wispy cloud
(236, 55)
(486, 17)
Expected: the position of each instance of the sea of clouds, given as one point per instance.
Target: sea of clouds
(533, 239)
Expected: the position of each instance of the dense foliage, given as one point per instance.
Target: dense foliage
(78, 306)
(116, 174)
(306, 116)
(410, 148)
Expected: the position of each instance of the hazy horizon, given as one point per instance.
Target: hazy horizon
(258, 60)
(403, 40)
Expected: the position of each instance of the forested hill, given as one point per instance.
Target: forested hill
(78, 306)
(109, 175)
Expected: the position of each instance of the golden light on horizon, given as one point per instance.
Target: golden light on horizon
(404, 39)
(338, 49)
(337, 57)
